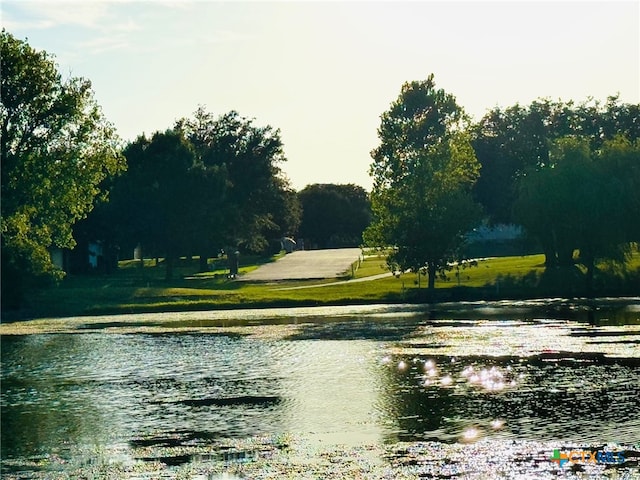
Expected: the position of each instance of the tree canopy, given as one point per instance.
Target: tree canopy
(509, 141)
(56, 148)
(423, 171)
(258, 203)
(334, 215)
(205, 185)
(583, 200)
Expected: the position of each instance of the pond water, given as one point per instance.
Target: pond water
(543, 389)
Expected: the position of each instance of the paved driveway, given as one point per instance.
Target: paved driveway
(306, 264)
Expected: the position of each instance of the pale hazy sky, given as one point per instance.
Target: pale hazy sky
(324, 72)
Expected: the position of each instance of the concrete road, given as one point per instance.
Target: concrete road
(306, 264)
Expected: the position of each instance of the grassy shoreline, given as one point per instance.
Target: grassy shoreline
(134, 290)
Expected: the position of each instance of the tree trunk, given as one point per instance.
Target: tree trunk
(550, 258)
(590, 264)
(169, 266)
(431, 271)
(203, 263)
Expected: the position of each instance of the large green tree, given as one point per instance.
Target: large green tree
(155, 199)
(334, 215)
(620, 156)
(583, 200)
(423, 171)
(257, 204)
(205, 185)
(56, 148)
(506, 142)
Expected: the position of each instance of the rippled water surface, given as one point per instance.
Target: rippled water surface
(475, 391)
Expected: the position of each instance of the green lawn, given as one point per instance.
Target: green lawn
(134, 289)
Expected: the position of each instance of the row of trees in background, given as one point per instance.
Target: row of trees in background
(212, 184)
(333, 215)
(511, 141)
(570, 174)
(583, 200)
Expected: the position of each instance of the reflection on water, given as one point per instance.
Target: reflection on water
(586, 398)
(390, 386)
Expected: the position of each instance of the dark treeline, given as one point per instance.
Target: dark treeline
(569, 173)
(333, 215)
(510, 141)
(206, 185)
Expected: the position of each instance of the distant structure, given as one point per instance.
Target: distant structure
(288, 244)
(500, 232)
(499, 240)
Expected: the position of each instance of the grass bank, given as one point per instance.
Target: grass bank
(135, 290)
